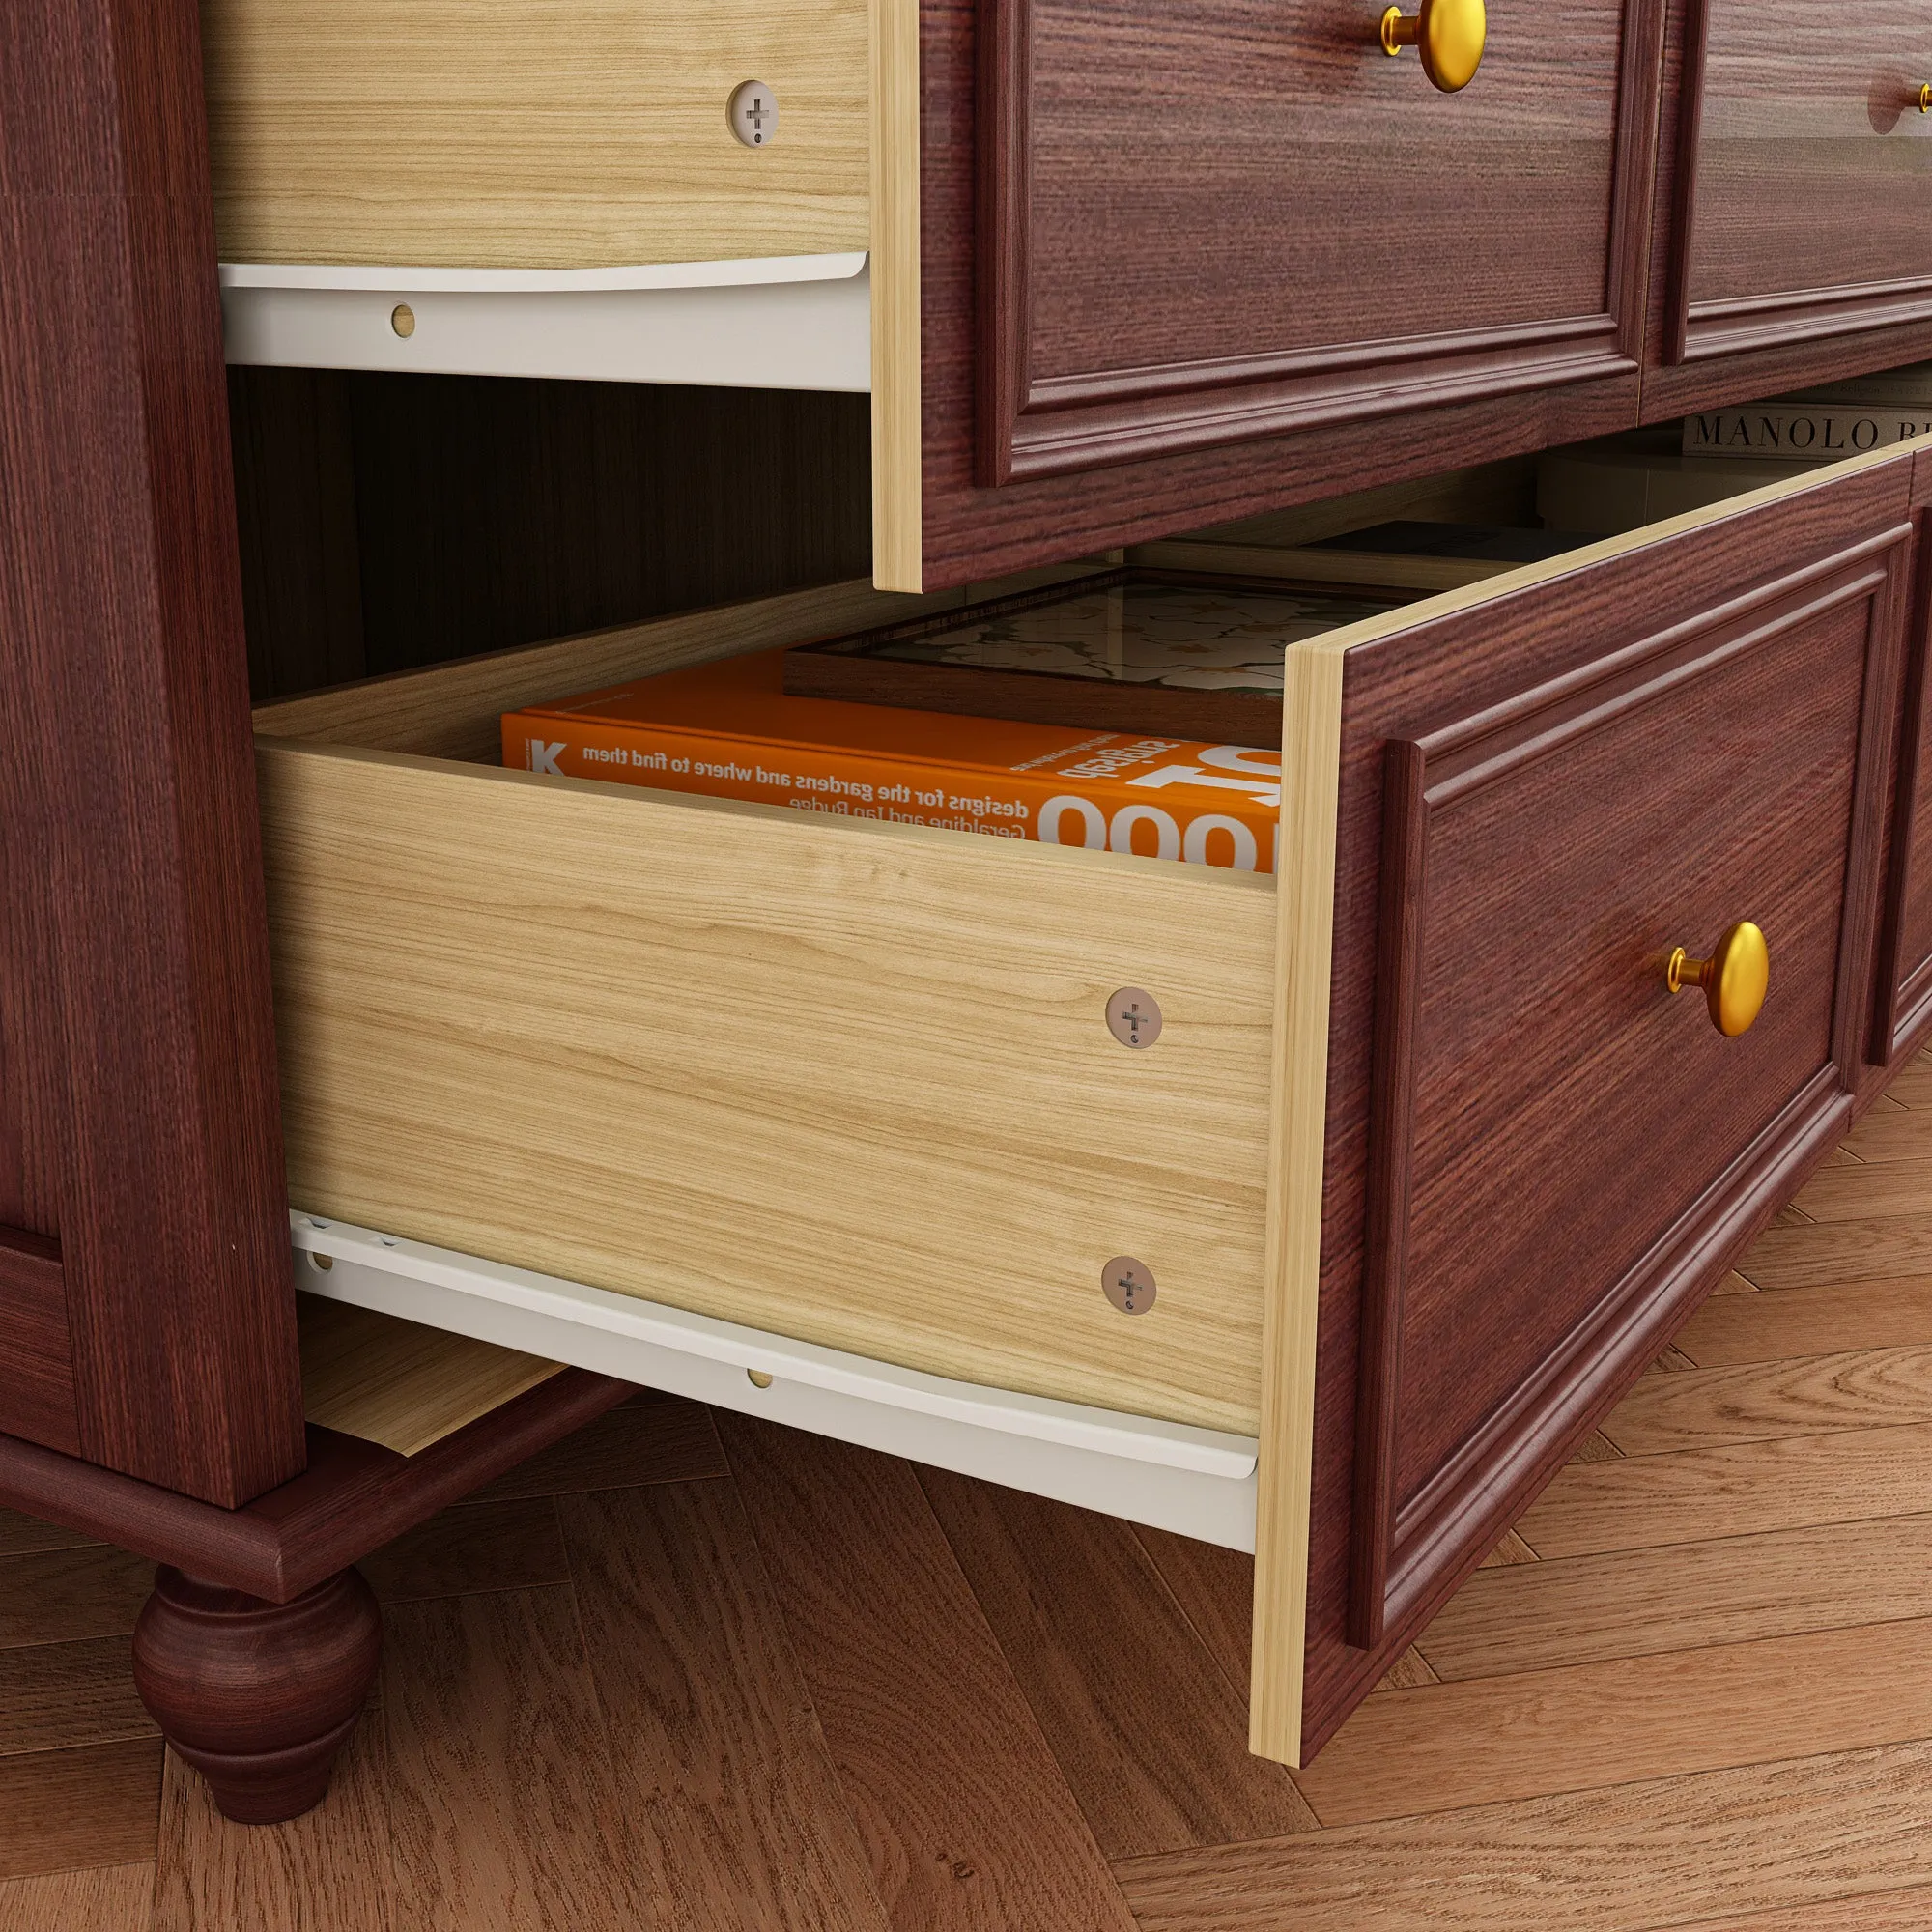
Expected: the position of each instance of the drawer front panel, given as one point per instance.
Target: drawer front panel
(845, 1084)
(1805, 201)
(1221, 218)
(1535, 1159)
(426, 132)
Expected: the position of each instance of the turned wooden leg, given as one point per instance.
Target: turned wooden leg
(258, 1696)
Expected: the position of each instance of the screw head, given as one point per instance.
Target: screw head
(1128, 1284)
(1133, 1017)
(753, 113)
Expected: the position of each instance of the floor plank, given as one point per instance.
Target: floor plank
(1891, 1133)
(504, 1816)
(504, 1546)
(1851, 1194)
(1447, 1745)
(664, 1441)
(54, 1596)
(109, 1899)
(19, 1534)
(1631, 1603)
(1842, 1251)
(720, 1759)
(1866, 1388)
(54, 1696)
(964, 1813)
(1895, 1312)
(1718, 1843)
(1911, 1085)
(330, 1870)
(1107, 1661)
(1908, 1911)
(1741, 1489)
(96, 1805)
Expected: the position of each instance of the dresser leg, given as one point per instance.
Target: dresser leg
(258, 1696)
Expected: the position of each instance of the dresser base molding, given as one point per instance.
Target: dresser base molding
(258, 1697)
(1170, 1475)
(353, 1498)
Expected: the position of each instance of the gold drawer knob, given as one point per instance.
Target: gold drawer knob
(1734, 978)
(1449, 36)
(1925, 99)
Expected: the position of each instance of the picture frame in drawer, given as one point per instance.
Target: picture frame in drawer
(854, 1083)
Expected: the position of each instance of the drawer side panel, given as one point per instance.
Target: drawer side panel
(852, 1085)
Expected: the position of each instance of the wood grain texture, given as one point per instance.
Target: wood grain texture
(419, 133)
(329, 1870)
(95, 1804)
(18, 1533)
(897, 560)
(353, 1498)
(1306, 898)
(454, 710)
(1849, 1194)
(37, 1392)
(664, 1440)
(1106, 1662)
(73, 1691)
(53, 1595)
(109, 1899)
(533, 1110)
(1804, 1395)
(1892, 1134)
(962, 1810)
(1738, 1489)
(121, 609)
(1077, 372)
(1545, 725)
(972, 530)
(504, 1811)
(1710, 1844)
(398, 1384)
(1450, 1745)
(1833, 1317)
(730, 1787)
(1825, 133)
(1842, 1252)
(1681, 1597)
(507, 1545)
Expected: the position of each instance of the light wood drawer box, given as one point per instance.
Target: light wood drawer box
(531, 134)
(1427, 1163)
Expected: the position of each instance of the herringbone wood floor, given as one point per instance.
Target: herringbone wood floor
(697, 1673)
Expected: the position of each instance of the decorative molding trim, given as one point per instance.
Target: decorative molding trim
(1397, 1548)
(1028, 427)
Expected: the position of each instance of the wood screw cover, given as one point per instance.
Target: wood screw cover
(1128, 1284)
(1133, 1017)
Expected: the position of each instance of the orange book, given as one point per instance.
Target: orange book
(729, 730)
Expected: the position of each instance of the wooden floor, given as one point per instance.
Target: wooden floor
(704, 1673)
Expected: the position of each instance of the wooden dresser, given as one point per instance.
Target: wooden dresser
(826, 1119)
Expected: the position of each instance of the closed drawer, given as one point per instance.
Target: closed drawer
(524, 135)
(1426, 1164)
(1806, 176)
(1288, 227)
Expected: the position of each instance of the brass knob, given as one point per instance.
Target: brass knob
(1734, 978)
(1925, 99)
(1449, 36)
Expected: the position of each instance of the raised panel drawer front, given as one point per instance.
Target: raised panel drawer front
(1206, 221)
(1535, 1159)
(1805, 188)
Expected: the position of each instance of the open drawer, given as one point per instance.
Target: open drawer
(1424, 1167)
